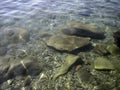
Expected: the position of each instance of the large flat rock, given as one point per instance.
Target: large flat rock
(67, 43)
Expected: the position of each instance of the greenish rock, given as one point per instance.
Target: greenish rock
(70, 60)
(67, 43)
(102, 63)
(27, 80)
(113, 49)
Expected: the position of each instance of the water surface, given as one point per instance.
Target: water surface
(50, 13)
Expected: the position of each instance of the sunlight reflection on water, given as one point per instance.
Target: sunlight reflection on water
(102, 11)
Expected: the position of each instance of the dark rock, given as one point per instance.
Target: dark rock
(12, 68)
(83, 33)
(24, 67)
(15, 69)
(116, 36)
(33, 68)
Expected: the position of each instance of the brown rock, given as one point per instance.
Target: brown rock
(67, 43)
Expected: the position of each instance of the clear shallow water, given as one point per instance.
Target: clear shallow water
(38, 15)
(51, 13)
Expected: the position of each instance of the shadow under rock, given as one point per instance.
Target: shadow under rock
(86, 48)
(84, 33)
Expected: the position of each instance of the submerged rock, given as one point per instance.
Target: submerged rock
(70, 60)
(83, 30)
(85, 78)
(102, 63)
(67, 43)
(12, 68)
(84, 75)
(81, 25)
(83, 33)
(116, 36)
(14, 35)
(101, 49)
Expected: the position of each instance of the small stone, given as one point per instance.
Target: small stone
(9, 82)
(102, 63)
(67, 43)
(43, 76)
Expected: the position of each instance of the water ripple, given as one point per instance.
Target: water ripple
(70, 9)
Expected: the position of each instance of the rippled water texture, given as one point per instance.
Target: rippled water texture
(55, 12)
(26, 25)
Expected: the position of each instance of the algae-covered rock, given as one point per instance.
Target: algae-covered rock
(70, 60)
(102, 63)
(67, 43)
